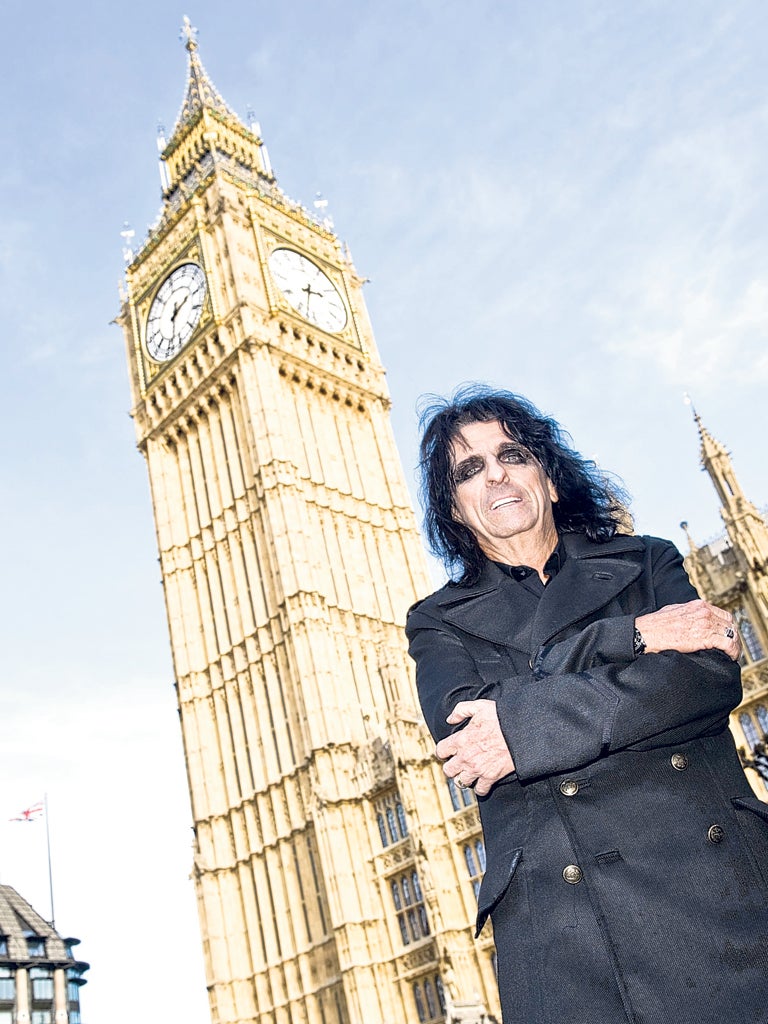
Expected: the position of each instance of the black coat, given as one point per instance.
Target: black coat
(627, 857)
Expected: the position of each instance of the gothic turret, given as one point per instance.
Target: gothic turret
(730, 571)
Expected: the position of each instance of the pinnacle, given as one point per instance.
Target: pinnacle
(201, 93)
(709, 445)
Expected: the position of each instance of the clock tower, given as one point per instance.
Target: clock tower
(335, 868)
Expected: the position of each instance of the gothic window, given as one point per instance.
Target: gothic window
(480, 851)
(440, 992)
(474, 856)
(429, 996)
(382, 829)
(420, 1009)
(392, 825)
(401, 822)
(752, 646)
(460, 797)
(408, 900)
(750, 729)
(390, 819)
(429, 992)
(762, 717)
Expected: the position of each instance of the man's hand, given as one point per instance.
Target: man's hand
(476, 755)
(695, 626)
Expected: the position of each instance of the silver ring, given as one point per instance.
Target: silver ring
(729, 633)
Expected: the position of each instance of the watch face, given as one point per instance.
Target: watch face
(308, 290)
(175, 312)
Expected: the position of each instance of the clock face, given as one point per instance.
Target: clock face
(308, 290)
(175, 312)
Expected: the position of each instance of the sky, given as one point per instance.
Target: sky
(567, 199)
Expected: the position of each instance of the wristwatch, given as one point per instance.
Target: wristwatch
(638, 644)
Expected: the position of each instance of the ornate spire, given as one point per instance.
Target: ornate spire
(746, 528)
(711, 448)
(201, 92)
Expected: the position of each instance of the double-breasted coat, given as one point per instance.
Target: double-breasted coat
(627, 857)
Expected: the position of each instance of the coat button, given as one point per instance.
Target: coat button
(572, 874)
(569, 787)
(715, 833)
(679, 762)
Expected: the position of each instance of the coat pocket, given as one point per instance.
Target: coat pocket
(751, 803)
(496, 879)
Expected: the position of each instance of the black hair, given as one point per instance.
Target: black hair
(589, 501)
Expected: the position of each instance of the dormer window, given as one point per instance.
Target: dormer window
(35, 946)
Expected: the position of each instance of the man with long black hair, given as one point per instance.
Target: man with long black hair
(569, 673)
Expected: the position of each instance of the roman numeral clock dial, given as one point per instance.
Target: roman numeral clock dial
(175, 312)
(308, 290)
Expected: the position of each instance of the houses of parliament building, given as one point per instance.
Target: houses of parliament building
(335, 866)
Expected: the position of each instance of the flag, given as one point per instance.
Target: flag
(31, 813)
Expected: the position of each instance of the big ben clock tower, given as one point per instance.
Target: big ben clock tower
(335, 868)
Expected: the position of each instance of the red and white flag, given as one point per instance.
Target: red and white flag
(31, 813)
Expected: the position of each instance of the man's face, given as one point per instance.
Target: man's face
(501, 493)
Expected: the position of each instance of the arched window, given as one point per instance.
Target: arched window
(403, 824)
(392, 825)
(416, 886)
(762, 717)
(472, 869)
(396, 896)
(480, 851)
(440, 992)
(453, 790)
(752, 644)
(750, 730)
(460, 797)
(419, 1003)
(469, 857)
(408, 899)
(382, 829)
(429, 992)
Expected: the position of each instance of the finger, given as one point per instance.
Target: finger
(463, 710)
(445, 749)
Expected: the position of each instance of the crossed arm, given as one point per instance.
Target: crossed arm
(478, 755)
(585, 697)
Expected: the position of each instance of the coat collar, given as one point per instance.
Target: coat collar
(591, 577)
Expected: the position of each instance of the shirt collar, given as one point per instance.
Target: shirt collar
(552, 566)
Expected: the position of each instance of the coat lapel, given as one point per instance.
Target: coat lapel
(591, 577)
(488, 610)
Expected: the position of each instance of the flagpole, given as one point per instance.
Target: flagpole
(50, 870)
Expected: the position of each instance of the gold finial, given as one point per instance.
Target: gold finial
(189, 33)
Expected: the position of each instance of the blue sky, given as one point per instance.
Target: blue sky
(566, 199)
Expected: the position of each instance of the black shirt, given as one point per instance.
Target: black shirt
(529, 577)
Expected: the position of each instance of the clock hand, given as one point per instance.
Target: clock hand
(308, 289)
(178, 308)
